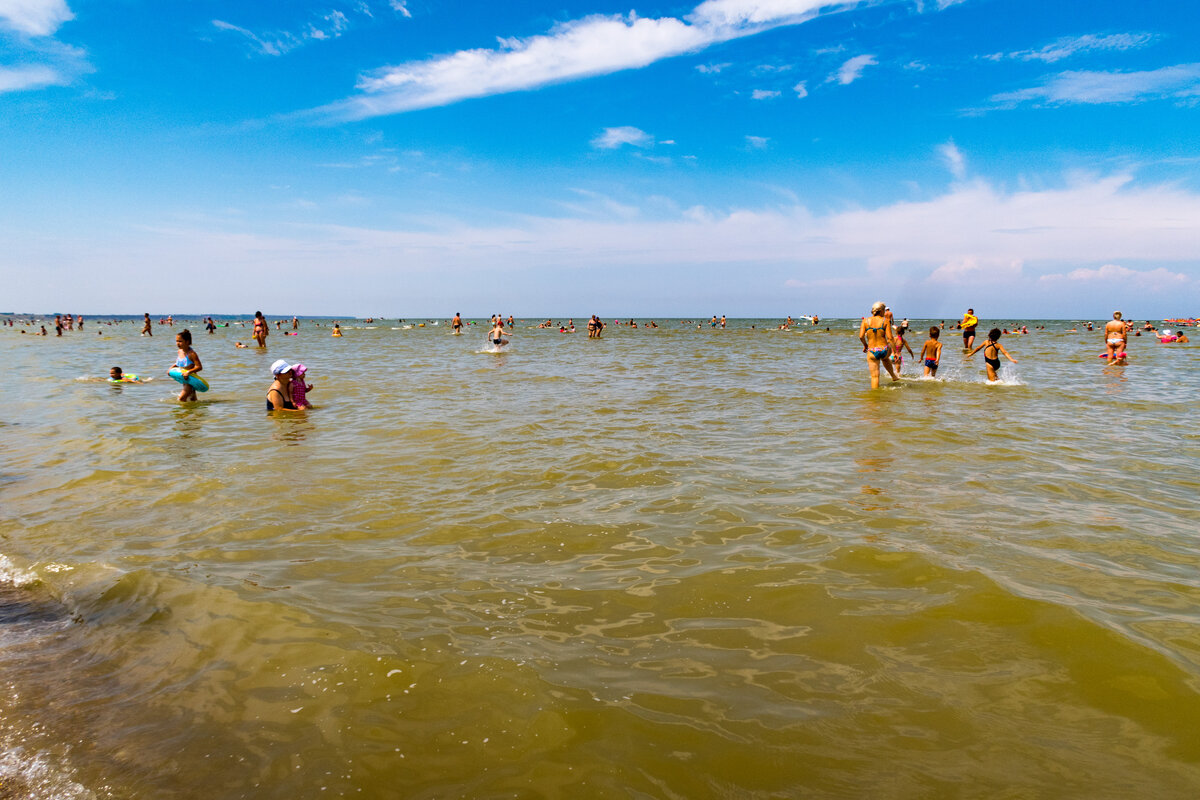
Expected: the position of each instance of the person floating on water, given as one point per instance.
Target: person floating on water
(117, 375)
(1116, 340)
(992, 358)
(188, 363)
(969, 321)
(875, 333)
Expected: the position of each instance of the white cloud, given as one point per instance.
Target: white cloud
(34, 17)
(594, 45)
(955, 161)
(712, 69)
(328, 26)
(853, 68)
(613, 138)
(1122, 277)
(1181, 82)
(801, 90)
(401, 6)
(16, 79)
(764, 94)
(1073, 45)
(757, 142)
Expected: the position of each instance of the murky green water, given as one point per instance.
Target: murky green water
(669, 564)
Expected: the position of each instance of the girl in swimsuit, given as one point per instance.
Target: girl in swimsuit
(898, 345)
(188, 363)
(875, 333)
(991, 353)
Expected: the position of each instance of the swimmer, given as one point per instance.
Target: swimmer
(993, 359)
(1116, 339)
(931, 352)
(875, 333)
(241, 346)
(337, 330)
(116, 375)
(188, 363)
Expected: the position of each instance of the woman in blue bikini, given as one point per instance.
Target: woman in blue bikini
(875, 333)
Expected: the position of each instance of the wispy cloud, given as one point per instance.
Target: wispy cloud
(34, 17)
(330, 25)
(801, 90)
(401, 7)
(612, 138)
(36, 59)
(757, 142)
(593, 45)
(1181, 82)
(1069, 46)
(853, 68)
(764, 94)
(955, 161)
(1154, 279)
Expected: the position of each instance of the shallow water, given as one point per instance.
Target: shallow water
(672, 563)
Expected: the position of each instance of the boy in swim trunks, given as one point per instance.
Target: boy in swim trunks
(931, 352)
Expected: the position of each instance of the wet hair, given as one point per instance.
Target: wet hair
(186, 335)
(116, 370)
(994, 334)
(935, 332)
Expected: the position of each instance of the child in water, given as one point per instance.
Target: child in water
(931, 352)
(188, 363)
(116, 375)
(300, 388)
(991, 354)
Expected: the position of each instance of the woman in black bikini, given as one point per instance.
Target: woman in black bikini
(279, 396)
(991, 353)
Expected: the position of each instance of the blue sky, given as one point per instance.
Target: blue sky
(740, 157)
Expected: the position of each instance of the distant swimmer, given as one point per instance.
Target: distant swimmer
(991, 354)
(456, 323)
(931, 352)
(337, 330)
(875, 333)
(969, 321)
(1116, 339)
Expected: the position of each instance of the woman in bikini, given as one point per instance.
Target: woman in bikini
(875, 333)
(260, 329)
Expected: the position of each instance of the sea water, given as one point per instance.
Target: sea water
(671, 563)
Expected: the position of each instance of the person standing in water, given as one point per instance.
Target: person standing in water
(875, 333)
(147, 325)
(1116, 339)
(456, 323)
(261, 331)
(968, 328)
(187, 362)
(991, 354)
(496, 335)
